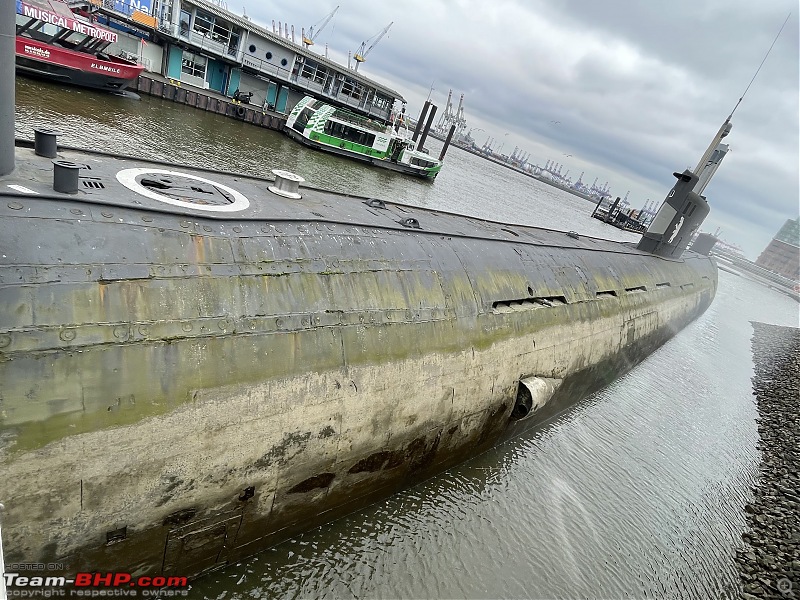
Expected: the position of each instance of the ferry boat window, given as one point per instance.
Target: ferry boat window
(193, 64)
(351, 134)
(419, 162)
(302, 119)
(252, 48)
(41, 32)
(268, 55)
(283, 62)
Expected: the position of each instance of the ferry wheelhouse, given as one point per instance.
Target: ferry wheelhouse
(55, 43)
(319, 125)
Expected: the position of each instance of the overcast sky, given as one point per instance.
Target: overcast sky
(633, 90)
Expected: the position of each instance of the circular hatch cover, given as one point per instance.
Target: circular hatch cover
(183, 189)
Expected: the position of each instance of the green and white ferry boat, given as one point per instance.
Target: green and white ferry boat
(319, 125)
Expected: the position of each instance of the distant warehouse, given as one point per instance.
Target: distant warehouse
(782, 255)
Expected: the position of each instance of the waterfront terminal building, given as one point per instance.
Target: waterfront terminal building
(199, 43)
(782, 255)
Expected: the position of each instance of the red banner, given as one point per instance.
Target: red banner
(68, 22)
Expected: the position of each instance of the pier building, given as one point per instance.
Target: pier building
(202, 44)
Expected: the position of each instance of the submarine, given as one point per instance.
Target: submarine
(196, 365)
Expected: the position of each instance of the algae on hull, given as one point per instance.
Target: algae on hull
(257, 374)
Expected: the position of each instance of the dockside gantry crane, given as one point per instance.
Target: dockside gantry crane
(361, 54)
(313, 33)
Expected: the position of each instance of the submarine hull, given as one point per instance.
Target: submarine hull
(189, 376)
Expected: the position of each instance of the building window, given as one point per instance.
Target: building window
(186, 19)
(352, 89)
(233, 43)
(221, 32)
(194, 65)
(380, 102)
(203, 23)
(311, 70)
(165, 11)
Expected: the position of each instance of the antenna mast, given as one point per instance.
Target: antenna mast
(726, 126)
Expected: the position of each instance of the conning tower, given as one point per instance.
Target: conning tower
(684, 208)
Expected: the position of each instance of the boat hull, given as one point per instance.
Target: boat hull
(45, 61)
(182, 388)
(383, 163)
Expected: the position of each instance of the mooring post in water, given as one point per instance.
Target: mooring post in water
(428, 124)
(599, 202)
(421, 120)
(611, 209)
(7, 82)
(447, 141)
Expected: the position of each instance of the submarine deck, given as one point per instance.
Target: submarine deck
(237, 201)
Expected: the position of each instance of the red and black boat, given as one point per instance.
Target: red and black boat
(55, 43)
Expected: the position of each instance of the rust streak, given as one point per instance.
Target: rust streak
(198, 242)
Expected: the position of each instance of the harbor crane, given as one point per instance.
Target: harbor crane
(361, 54)
(313, 33)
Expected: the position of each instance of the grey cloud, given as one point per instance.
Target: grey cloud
(639, 87)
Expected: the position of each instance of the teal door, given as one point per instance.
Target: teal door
(283, 96)
(272, 95)
(216, 75)
(174, 62)
(233, 82)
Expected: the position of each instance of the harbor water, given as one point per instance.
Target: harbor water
(636, 492)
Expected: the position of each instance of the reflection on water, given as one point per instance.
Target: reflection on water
(636, 492)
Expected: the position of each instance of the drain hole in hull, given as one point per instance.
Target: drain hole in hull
(523, 404)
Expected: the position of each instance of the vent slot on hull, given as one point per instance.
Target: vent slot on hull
(92, 183)
(606, 294)
(509, 306)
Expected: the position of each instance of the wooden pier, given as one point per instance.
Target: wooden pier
(208, 101)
